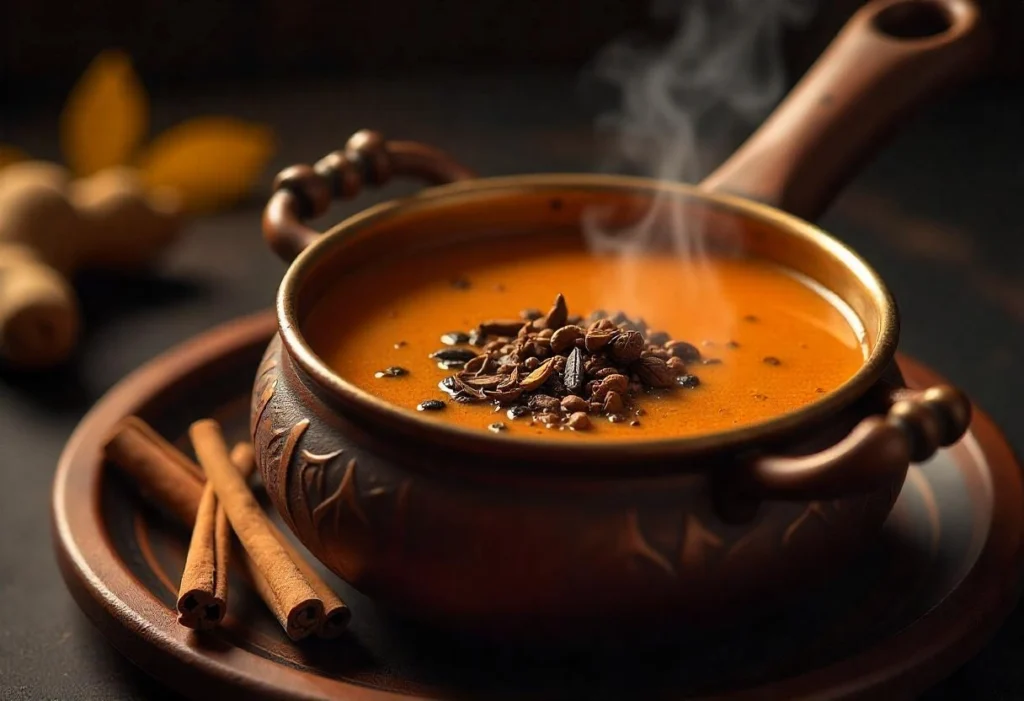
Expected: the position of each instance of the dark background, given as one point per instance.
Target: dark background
(44, 44)
(498, 85)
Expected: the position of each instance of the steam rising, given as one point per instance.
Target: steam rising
(723, 68)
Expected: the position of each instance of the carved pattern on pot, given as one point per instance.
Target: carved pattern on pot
(697, 541)
(283, 472)
(631, 544)
(324, 498)
(345, 498)
(814, 509)
(266, 385)
(266, 439)
(310, 474)
(701, 548)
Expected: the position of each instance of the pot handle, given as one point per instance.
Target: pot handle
(302, 191)
(890, 57)
(917, 424)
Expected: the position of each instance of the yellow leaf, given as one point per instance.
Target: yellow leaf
(11, 154)
(211, 161)
(105, 117)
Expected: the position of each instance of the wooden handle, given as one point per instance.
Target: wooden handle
(889, 58)
(918, 423)
(303, 191)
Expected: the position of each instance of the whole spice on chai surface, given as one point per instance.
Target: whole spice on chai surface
(560, 370)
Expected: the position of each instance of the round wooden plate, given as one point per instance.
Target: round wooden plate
(924, 598)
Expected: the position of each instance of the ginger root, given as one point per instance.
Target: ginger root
(38, 311)
(127, 225)
(50, 227)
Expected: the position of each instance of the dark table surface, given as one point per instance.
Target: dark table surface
(936, 213)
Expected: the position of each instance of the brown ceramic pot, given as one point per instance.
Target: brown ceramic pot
(501, 535)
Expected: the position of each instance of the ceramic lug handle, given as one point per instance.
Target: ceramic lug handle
(302, 191)
(890, 57)
(917, 424)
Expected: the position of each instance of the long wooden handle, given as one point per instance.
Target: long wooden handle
(889, 58)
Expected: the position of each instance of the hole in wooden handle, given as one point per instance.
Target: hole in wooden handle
(914, 19)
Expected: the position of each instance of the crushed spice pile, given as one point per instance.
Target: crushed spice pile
(552, 369)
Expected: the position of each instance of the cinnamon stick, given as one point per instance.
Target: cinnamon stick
(297, 606)
(174, 482)
(202, 596)
(336, 612)
(159, 469)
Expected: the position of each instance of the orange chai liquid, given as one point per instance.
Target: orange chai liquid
(738, 311)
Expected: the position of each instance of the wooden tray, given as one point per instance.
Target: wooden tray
(944, 573)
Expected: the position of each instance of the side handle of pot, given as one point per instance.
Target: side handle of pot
(917, 424)
(891, 56)
(302, 192)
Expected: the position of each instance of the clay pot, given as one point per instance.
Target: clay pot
(505, 535)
